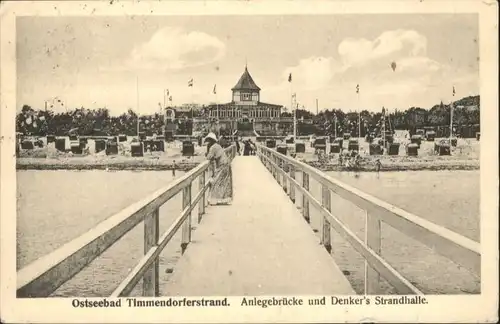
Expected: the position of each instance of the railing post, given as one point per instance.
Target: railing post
(278, 167)
(207, 176)
(326, 201)
(372, 240)
(150, 283)
(201, 203)
(273, 165)
(211, 173)
(305, 199)
(186, 227)
(284, 167)
(292, 185)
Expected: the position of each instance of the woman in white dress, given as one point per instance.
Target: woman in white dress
(221, 192)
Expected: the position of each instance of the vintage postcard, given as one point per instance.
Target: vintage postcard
(249, 161)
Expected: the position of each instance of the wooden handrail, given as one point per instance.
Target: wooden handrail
(43, 276)
(455, 247)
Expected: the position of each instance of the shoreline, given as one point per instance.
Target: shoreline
(130, 164)
(425, 166)
(110, 167)
(165, 165)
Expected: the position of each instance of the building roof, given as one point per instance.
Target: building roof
(235, 105)
(246, 82)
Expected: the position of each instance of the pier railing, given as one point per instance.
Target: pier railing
(455, 247)
(42, 277)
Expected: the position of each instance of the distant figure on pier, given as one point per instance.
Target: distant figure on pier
(378, 164)
(223, 142)
(173, 168)
(222, 189)
(252, 147)
(247, 148)
(237, 146)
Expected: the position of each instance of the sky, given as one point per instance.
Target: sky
(129, 62)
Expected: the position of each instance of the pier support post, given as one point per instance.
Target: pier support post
(326, 198)
(284, 178)
(211, 173)
(292, 185)
(271, 167)
(201, 203)
(207, 177)
(372, 240)
(275, 167)
(305, 199)
(150, 283)
(278, 170)
(186, 227)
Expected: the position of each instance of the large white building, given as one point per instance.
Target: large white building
(245, 103)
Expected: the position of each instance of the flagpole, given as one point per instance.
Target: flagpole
(137, 95)
(335, 121)
(294, 111)
(451, 116)
(359, 113)
(164, 112)
(383, 125)
(218, 119)
(192, 98)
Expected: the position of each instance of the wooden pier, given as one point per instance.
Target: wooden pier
(261, 244)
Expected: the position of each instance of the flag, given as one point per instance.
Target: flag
(190, 83)
(453, 91)
(215, 89)
(357, 88)
(290, 78)
(168, 93)
(294, 95)
(170, 98)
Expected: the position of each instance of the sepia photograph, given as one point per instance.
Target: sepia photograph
(266, 156)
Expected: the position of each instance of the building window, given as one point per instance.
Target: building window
(246, 97)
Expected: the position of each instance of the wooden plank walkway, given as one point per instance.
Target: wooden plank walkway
(260, 245)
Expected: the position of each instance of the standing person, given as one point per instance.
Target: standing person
(378, 164)
(222, 141)
(252, 147)
(222, 188)
(237, 145)
(173, 168)
(246, 148)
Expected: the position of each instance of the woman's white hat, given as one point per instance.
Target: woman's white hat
(212, 136)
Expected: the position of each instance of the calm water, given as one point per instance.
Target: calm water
(447, 198)
(55, 207)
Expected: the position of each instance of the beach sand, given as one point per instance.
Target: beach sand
(465, 156)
